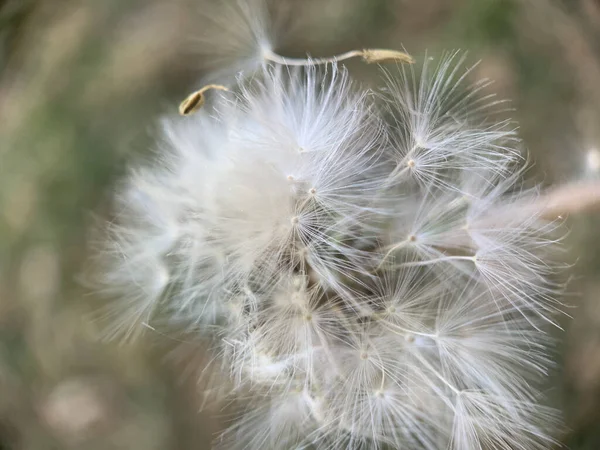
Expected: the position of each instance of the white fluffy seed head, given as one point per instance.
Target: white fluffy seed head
(370, 268)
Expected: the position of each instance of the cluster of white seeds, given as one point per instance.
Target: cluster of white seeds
(367, 263)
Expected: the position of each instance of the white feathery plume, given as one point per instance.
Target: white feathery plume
(370, 269)
(238, 204)
(440, 124)
(316, 147)
(481, 231)
(235, 36)
(276, 419)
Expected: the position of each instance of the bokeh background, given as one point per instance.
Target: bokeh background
(82, 84)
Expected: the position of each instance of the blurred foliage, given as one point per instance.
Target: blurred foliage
(82, 85)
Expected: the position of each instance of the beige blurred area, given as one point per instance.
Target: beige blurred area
(82, 85)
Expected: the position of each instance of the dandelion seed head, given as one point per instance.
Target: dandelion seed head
(370, 268)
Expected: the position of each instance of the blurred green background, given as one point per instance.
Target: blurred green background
(82, 84)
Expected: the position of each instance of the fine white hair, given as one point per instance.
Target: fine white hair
(368, 264)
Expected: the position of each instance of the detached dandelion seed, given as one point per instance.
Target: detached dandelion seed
(370, 56)
(195, 100)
